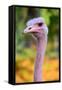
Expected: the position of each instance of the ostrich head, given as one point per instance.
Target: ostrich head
(37, 28)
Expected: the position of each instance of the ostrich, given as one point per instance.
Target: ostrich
(39, 30)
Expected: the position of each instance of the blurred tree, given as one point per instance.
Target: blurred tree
(23, 14)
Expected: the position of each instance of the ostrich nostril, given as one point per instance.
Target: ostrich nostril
(29, 28)
(40, 24)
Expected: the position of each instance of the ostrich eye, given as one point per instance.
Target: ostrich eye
(40, 24)
(29, 28)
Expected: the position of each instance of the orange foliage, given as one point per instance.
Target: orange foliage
(50, 70)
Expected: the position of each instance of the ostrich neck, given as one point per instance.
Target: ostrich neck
(41, 46)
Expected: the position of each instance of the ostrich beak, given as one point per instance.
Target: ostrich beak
(35, 30)
(26, 30)
(30, 30)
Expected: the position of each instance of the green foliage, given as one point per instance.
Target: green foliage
(27, 53)
(23, 14)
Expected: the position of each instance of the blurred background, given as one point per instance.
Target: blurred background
(26, 47)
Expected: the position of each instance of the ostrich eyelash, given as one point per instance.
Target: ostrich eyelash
(40, 24)
(29, 28)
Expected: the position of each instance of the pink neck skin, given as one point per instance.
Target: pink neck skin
(41, 46)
